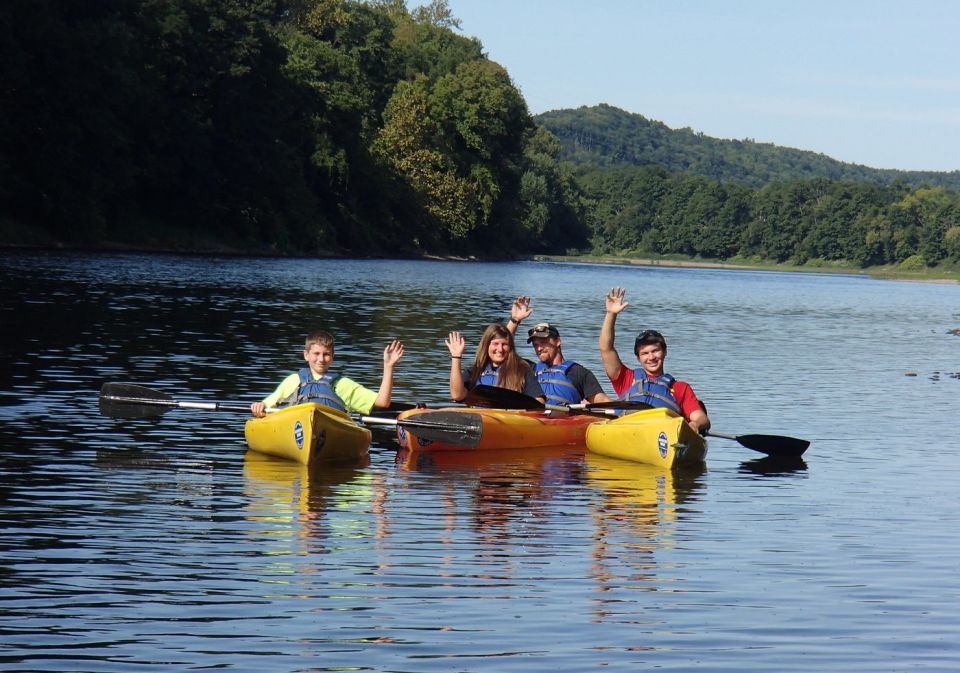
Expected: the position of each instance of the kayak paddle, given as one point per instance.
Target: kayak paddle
(772, 445)
(492, 397)
(449, 427)
(126, 400)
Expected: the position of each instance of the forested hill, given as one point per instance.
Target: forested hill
(603, 135)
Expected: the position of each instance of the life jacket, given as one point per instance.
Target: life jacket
(488, 377)
(316, 390)
(656, 392)
(557, 386)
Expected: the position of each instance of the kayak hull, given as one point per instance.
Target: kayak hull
(308, 433)
(501, 429)
(653, 437)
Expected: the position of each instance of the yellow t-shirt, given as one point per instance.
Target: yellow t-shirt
(354, 396)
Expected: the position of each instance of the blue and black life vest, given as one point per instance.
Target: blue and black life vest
(488, 377)
(557, 386)
(656, 392)
(316, 390)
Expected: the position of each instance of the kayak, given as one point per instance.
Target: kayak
(654, 436)
(498, 428)
(308, 433)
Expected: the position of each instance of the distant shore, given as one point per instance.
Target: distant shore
(879, 273)
(203, 247)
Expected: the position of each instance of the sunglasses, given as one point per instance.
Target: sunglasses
(649, 334)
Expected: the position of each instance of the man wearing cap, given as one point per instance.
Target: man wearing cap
(649, 383)
(563, 381)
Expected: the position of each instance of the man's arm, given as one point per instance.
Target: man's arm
(615, 303)
(518, 311)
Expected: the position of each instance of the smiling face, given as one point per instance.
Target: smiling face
(548, 350)
(319, 358)
(498, 350)
(651, 357)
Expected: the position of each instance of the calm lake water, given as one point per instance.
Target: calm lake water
(161, 545)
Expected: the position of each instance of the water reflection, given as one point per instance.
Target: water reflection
(509, 491)
(636, 516)
(305, 509)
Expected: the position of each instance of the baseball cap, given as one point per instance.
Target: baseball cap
(542, 330)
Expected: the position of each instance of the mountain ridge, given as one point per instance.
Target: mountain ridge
(603, 135)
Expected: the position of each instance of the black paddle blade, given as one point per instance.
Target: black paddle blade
(492, 397)
(125, 400)
(772, 445)
(447, 427)
(775, 445)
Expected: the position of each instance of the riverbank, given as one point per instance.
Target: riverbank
(892, 272)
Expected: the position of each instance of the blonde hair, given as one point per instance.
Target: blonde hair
(320, 338)
(513, 372)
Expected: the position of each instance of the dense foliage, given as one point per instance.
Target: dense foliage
(288, 125)
(654, 211)
(603, 135)
(330, 126)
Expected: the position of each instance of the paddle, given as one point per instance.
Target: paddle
(492, 397)
(612, 404)
(772, 445)
(125, 400)
(448, 427)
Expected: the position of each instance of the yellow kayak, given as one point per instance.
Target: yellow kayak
(308, 433)
(654, 437)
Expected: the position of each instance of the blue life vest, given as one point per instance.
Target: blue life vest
(316, 390)
(488, 377)
(557, 386)
(656, 392)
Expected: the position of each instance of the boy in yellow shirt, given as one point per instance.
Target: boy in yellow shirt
(316, 383)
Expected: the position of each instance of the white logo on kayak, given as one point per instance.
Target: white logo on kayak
(662, 444)
(298, 434)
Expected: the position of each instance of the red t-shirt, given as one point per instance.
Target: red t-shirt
(681, 391)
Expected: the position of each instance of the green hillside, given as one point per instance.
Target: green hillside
(603, 135)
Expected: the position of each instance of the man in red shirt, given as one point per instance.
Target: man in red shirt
(649, 383)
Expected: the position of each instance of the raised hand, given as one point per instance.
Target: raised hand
(616, 300)
(455, 344)
(521, 309)
(392, 353)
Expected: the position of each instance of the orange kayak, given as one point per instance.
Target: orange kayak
(500, 428)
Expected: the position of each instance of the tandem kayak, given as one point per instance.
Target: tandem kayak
(308, 433)
(655, 437)
(497, 428)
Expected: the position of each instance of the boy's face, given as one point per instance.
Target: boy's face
(319, 358)
(651, 358)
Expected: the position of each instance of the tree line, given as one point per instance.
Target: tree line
(344, 126)
(652, 210)
(295, 126)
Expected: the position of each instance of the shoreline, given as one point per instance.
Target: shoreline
(945, 278)
(875, 273)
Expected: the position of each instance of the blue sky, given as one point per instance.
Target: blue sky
(874, 83)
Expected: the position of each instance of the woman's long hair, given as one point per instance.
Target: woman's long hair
(513, 372)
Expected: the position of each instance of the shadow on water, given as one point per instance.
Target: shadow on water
(774, 466)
